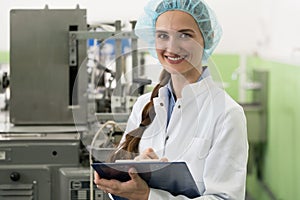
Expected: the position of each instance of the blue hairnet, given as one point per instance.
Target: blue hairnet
(198, 9)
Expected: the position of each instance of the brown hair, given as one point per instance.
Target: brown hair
(130, 147)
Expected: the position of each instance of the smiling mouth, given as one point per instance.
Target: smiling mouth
(175, 59)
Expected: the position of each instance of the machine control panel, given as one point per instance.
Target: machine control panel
(80, 190)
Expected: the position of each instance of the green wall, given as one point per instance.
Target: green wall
(226, 65)
(282, 162)
(4, 57)
(281, 169)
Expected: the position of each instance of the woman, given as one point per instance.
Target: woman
(186, 117)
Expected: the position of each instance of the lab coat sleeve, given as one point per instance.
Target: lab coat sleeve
(156, 194)
(225, 167)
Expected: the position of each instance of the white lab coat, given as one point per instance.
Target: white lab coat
(207, 130)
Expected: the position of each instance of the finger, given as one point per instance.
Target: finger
(142, 156)
(149, 153)
(164, 160)
(149, 150)
(105, 190)
(146, 155)
(99, 187)
(109, 186)
(133, 174)
(96, 177)
(103, 183)
(138, 158)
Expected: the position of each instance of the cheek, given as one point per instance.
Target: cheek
(197, 52)
(194, 50)
(159, 53)
(158, 50)
(193, 47)
(160, 46)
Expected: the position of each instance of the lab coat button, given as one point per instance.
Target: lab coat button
(161, 104)
(179, 106)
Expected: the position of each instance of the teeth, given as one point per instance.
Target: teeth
(175, 58)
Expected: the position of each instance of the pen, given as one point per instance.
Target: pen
(165, 145)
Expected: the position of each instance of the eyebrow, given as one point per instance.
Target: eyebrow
(180, 31)
(161, 31)
(186, 30)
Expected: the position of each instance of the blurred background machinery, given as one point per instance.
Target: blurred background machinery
(70, 81)
(65, 81)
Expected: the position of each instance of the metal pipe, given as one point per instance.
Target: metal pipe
(118, 50)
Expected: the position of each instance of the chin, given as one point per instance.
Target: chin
(178, 70)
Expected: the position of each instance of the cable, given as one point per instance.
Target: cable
(90, 155)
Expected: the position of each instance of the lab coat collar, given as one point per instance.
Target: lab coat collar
(193, 90)
(189, 92)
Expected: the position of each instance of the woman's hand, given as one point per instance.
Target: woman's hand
(149, 154)
(135, 189)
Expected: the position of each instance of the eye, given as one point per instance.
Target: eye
(162, 36)
(185, 35)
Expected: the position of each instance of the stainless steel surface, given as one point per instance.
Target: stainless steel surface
(10, 128)
(118, 59)
(135, 65)
(25, 182)
(40, 72)
(117, 117)
(42, 149)
(45, 169)
(84, 35)
(40, 136)
(34, 162)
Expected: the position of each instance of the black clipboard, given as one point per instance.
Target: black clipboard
(173, 177)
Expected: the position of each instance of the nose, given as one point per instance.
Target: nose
(173, 45)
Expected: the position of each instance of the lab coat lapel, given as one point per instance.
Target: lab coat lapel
(154, 135)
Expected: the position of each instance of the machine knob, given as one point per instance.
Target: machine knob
(15, 176)
(4, 81)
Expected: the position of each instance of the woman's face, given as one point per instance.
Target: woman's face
(179, 42)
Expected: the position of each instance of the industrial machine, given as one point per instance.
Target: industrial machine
(44, 149)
